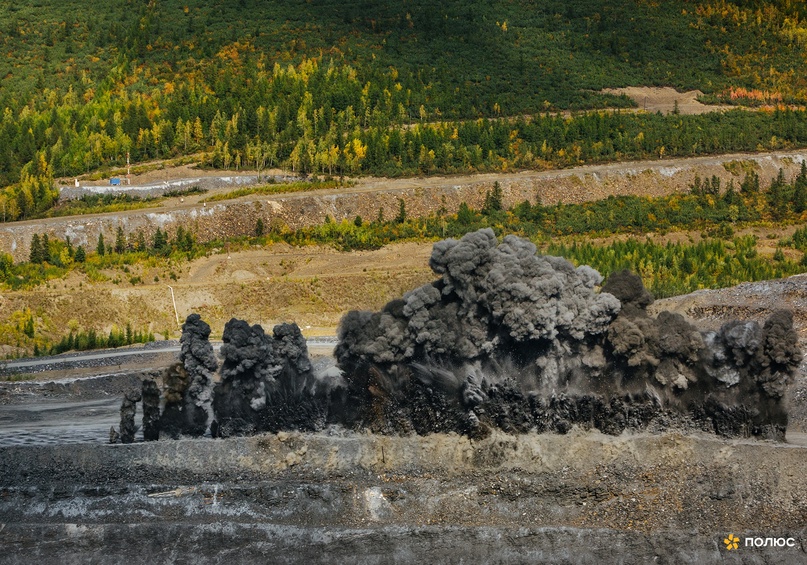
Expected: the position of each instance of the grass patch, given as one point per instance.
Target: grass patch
(92, 205)
(16, 378)
(278, 188)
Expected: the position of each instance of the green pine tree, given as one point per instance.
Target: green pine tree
(29, 326)
(493, 200)
(800, 190)
(120, 241)
(160, 242)
(464, 215)
(45, 249)
(35, 256)
(750, 184)
(401, 217)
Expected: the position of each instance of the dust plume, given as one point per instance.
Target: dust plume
(267, 382)
(188, 400)
(510, 339)
(504, 338)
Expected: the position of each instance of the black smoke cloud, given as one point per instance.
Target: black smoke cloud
(184, 406)
(510, 339)
(189, 384)
(267, 382)
(489, 297)
(504, 338)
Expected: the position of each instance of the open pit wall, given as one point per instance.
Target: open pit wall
(358, 498)
(422, 196)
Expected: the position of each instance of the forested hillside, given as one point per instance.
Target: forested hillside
(384, 87)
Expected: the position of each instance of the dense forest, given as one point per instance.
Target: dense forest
(383, 87)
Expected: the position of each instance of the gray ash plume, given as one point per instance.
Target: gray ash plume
(504, 338)
(189, 384)
(501, 322)
(248, 367)
(187, 395)
(510, 339)
(127, 417)
(267, 383)
(296, 398)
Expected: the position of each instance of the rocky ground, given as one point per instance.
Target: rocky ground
(291, 498)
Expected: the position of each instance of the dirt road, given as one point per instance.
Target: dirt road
(363, 185)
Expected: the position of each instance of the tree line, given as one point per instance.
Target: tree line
(318, 117)
(386, 89)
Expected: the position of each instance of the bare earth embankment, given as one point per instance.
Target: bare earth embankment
(291, 498)
(422, 196)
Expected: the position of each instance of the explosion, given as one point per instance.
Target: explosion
(504, 338)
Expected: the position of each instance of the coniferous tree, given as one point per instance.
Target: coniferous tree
(184, 240)
(80, 255)
(401, 217)
(160, 242)
(696, 188)
(29, 326)
(730, 196)
(800, 190)
(464, 214)
(493, 200)
(35, 255)
(100, 248)
(714, 185)
(120, 241)
(46, 248)
(188, 241)
(778, 196)
(750, 184)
